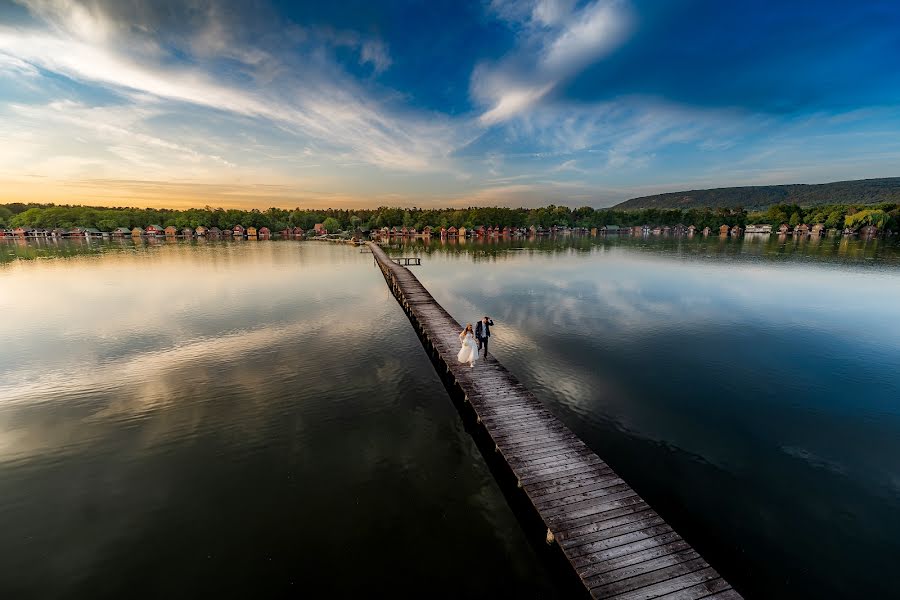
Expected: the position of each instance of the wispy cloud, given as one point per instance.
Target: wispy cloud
(556, 43)
(314, 101)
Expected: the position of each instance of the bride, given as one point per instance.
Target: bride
(469, 351)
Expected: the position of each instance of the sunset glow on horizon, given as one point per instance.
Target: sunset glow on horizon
(439, 104)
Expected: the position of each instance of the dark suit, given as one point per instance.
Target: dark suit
(483, 334)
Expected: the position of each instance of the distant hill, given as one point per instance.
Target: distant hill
(862, 191)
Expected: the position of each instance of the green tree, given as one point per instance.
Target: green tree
(332, 225)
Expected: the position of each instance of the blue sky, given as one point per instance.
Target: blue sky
(264, 103)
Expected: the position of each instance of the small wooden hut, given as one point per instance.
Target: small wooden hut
(868, 231)
(200, 231)
(239, 231)
(724, 229)
(171, 231)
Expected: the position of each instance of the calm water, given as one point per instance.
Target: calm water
(257, 417)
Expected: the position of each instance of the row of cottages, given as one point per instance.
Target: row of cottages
(482, 231)
(58, 232)
(293, 232)
(735, 231)
(801, 229)
(187, 232)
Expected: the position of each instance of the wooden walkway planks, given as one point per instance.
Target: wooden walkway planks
(618, 546)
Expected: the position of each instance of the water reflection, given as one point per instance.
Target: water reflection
(847, 250)
(747, 388)
(251, 419)
(212, 403)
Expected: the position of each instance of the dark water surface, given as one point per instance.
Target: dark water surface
(749, 389)
(241, 420)
(255, 418)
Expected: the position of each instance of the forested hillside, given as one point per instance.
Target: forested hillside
(863, 191)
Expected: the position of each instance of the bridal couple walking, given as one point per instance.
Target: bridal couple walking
(473, 340)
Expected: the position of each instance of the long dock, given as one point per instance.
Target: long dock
(615, 543)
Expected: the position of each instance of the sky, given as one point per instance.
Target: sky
(351, 104)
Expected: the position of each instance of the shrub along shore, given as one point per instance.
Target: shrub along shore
(832, 216)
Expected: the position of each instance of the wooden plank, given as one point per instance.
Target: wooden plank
(660, 577)
(669, 585)
(613, 563)
(617, 544)
(641, 568)
(714, 589)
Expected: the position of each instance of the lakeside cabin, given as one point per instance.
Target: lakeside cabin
(802, 229)
(754, 228)
(251, 232)
(187, 232)
(121, 232)
(868, 231)
(59, 232)
(319, 228)
(264, 232)
(200, 231)
(239, 231)
(707, 231)
(736, 231)
(298, 231)
(171, 231)
(426, 231)
(214, 232)
(724, 229)
(154, 230)
(137, 232)
(784, 229)
(818, 229)
(462, 232)
(452, 232)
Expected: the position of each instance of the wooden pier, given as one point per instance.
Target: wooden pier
(615, 543)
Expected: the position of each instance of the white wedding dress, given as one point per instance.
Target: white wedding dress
(469, 351)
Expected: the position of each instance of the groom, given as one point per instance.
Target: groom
(483, 333)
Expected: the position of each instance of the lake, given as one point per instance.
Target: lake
(257, 418)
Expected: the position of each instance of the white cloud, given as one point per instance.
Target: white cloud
(557, 42)
(325, 105)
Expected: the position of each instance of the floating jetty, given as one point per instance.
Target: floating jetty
(613, 541)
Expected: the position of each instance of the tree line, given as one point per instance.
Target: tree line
(50, 216)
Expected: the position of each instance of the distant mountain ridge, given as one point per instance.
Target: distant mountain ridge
(860, 191)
